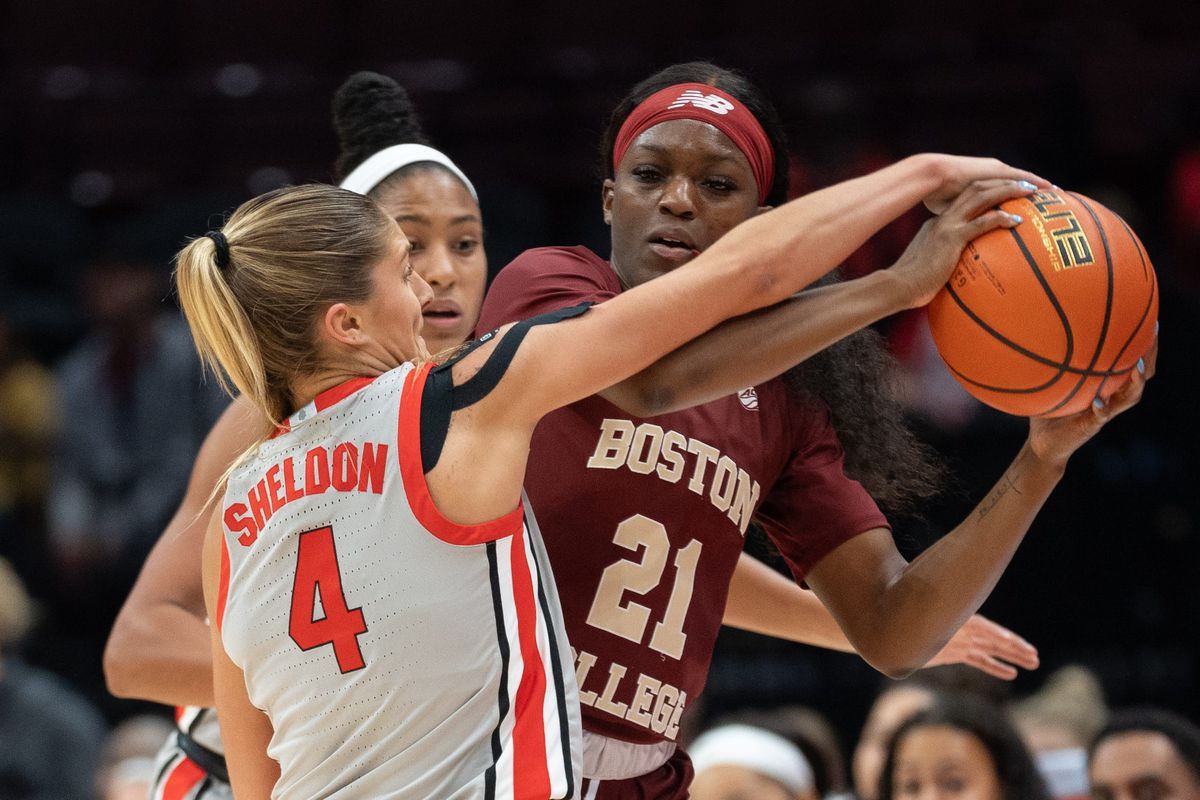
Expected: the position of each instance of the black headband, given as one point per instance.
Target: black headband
(222, 245)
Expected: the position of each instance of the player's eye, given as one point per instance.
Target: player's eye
(647, 174)
(722, 185)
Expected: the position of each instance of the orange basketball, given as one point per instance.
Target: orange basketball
(1040, 319)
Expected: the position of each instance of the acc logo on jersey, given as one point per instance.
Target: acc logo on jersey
(709, 102)
(749, 399)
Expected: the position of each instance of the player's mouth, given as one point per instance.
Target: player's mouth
(673, 245)
(442, 315)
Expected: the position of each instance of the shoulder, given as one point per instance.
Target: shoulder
(545, 279)
(547, 267)
(580, 259)
(806, 416)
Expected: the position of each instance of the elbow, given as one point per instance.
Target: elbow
(116, 670)
(891, 660)
(896, 670)
(121, 665)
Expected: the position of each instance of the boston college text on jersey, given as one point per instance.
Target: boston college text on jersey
(647, 448)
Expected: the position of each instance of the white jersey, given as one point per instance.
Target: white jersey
(397, 654)
(199, 723)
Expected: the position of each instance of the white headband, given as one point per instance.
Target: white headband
(369, 174)
(755, 749)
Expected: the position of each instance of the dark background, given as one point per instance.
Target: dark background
(147, 120)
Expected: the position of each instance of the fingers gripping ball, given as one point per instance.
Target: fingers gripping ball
(1040, 319)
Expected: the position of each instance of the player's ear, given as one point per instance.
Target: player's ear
(606, 199)
(341, 323)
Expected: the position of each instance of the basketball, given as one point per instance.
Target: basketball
(1042, 318)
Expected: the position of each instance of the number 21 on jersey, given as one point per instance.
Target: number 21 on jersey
(319, 581)
(629, 619)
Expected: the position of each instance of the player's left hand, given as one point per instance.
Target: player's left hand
(988, 647)
(1054, 440)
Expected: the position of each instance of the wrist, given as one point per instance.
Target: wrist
(890, 291)
(1040, 466)
(928, 169)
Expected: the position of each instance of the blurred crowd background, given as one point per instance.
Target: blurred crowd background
(130, 126)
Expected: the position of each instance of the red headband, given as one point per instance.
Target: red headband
(704, 103)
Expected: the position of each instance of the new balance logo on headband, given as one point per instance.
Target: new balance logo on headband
(709, 102)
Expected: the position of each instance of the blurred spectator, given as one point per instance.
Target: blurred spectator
(961, 746)
(28, 417)
(900, 700)
(128, 760)
(50, 735)
(1146, 753)
(810, 731)
(135, 408)
(733, 762)
(135, 411)
(1058, 722)
(892, 707)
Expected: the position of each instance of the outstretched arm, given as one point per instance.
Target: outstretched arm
(898, 615)
(764, 344)
(760, 262)
(763, 601)
(159, 647)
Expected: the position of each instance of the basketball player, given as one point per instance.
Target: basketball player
(338, 707)
(159, 648)
(644, 505)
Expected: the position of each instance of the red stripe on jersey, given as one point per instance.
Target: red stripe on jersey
(338, 393)
(179, 712)
(531, 773)
(327, 398)
(417, 491)
(182, 778)
(222, 583)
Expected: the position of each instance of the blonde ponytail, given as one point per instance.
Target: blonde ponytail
(287, 255)
(220, 328)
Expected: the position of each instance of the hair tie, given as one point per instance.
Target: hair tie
(222, 245)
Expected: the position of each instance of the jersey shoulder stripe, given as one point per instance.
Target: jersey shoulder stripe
(222, 583)
(413, 476)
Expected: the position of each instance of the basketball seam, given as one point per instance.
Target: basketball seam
(1137, 328)
(1062, 367)
(1149, 301)
(1107, 308)
(1002, 389)
(1137, 245)
(1065, 365)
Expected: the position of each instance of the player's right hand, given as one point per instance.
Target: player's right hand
(956, 173)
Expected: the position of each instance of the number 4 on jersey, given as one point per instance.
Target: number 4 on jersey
(319, 580)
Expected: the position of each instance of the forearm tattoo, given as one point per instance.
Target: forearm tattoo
(1007, 483)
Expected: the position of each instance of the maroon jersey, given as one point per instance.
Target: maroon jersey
(644, 519)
